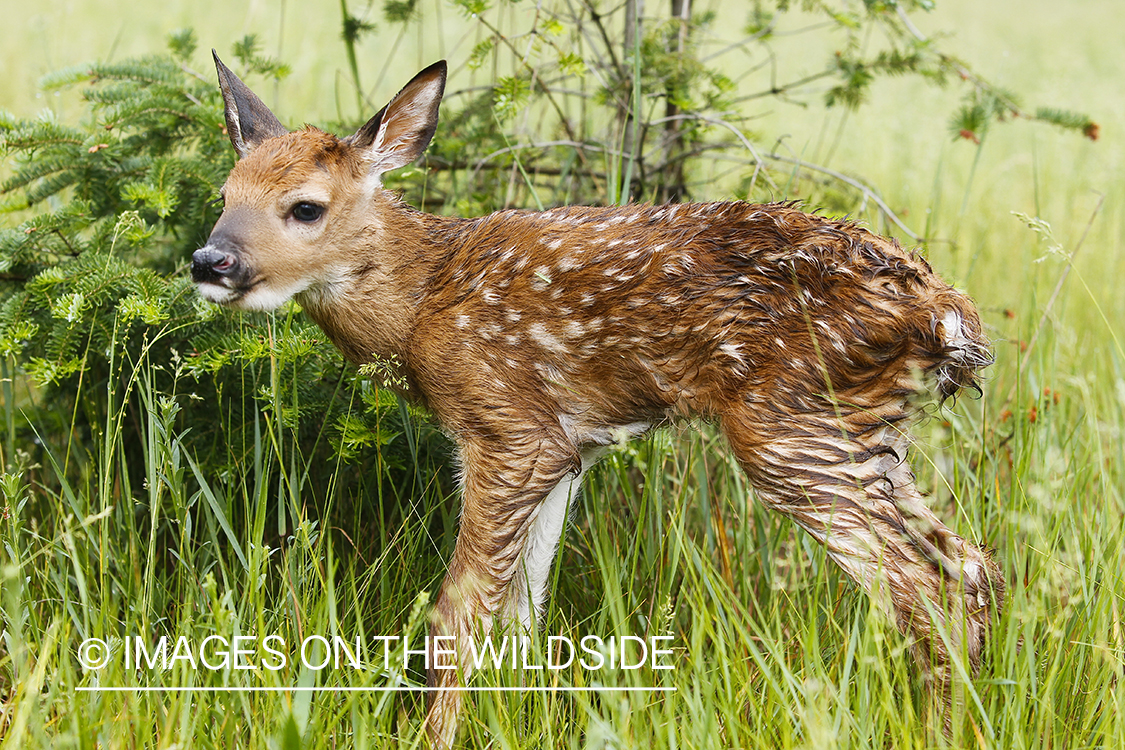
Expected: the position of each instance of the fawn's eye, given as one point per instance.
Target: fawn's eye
(307, 213)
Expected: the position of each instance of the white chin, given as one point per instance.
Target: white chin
(220, 295)
(259, 298)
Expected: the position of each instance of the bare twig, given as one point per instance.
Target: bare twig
(866, 190)
(543, 144)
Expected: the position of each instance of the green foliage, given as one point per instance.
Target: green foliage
(246, 52)
(94, 271)
(355, 27)
(472, 8)
(1069, 120)
(509, 96)
(399, 11)
(127, 196)
(663, 106)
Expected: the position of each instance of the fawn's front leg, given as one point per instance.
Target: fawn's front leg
(506, 481)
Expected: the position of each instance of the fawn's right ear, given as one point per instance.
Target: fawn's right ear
(249, 121)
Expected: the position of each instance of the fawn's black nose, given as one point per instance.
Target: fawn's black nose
(208, 263)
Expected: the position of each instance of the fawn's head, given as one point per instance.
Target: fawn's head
(297, 205)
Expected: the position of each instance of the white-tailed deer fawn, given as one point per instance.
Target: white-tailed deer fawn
(539, 338)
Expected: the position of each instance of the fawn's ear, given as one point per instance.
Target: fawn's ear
(249, 121)
(401, 131)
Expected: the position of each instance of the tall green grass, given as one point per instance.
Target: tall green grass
(773, 646)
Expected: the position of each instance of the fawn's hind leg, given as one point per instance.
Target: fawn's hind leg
(841, 474)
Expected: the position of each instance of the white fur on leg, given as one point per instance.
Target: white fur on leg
(529, 587)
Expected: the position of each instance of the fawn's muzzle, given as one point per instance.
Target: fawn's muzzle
(210, 264)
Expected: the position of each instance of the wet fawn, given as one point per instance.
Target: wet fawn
(538, 339)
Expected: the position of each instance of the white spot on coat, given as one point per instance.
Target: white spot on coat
(540, 335)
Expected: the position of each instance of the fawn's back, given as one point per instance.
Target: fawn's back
(611, 316)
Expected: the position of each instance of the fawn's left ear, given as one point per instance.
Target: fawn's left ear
(401, 131)
(249, 120)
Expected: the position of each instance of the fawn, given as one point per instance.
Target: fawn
(539, 338)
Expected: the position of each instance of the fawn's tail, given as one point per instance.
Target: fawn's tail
(963, 349)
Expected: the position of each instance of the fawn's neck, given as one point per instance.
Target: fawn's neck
(369, 311)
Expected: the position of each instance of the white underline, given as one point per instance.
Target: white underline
(404, 689)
